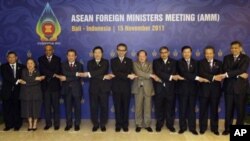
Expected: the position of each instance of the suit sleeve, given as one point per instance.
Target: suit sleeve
(30, 81)
(45, 71)
(99, 73)
(163, 75)
(243, 66)
(184, 72)
(6, 77)
(70, 76)
(141, 73)
(204, 73)
(121, 75)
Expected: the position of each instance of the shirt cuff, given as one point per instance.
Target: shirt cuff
(17, 82)
(213, 78)
(197, 78)
(170, 78)
(226, 74)
(89, 75)
(77, 74)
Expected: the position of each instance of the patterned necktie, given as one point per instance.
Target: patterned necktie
(71, 66)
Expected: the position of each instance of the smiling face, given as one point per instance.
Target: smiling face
(71, 56)
(164, 53)
(121, 51)
(236, 49)
(187, 53)
(30, 64)
(49, 50)
(97, 54)
(209, 54)
(12, 58)
(142, 57)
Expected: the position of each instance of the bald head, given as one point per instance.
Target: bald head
(49, 50)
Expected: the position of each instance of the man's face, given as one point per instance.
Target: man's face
(49, 50)
(236, 49)
(97, 54)
(209, 54)
(187, 53)
(12, 58)
(71, 56)
(142, 57)
(164, 53)
(121, 51)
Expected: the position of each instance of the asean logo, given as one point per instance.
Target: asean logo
(48, 27)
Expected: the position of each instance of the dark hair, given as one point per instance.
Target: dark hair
(11, 52)
(71, 50)
(236, 42)
(186, 47)
(32, 59)
(97, 47)
(121, 44)
(140, 51)
(163, 47)
(209, 47)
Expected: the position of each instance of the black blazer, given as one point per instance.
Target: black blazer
(164, 71)
(97, 72)
(72, 82)
(32, 89)
(235, 84)
(49, 69)
(205, 71)
(9, 87)
(189, 84)
(121, 70)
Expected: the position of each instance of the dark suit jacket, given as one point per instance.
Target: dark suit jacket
(49, 69)
(205, 71)
(97, 72)
(72, 82)
(32, 89)
(121, 70)
(235, 84)
(9, 87)
(189, 84)
(164, 71)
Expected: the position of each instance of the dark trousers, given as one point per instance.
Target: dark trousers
(51, 101)
(207, 103)
(99, 108)
(12, 113)
(121, 103)
(165, 109)
(72, 102)
(187, 104)
(234, 102)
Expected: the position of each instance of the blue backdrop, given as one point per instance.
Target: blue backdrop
(19, 19)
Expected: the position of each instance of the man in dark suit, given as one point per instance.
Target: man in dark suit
(235, 66)
(188, 71)
(72, 89)
(11, 72)
(165, 68)
(98, 88)
(50, 65)
(122, 68)
(210, 94)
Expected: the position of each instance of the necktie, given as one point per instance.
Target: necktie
(188, 64)
(211, 65)
(13, 70)
(71, 66)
